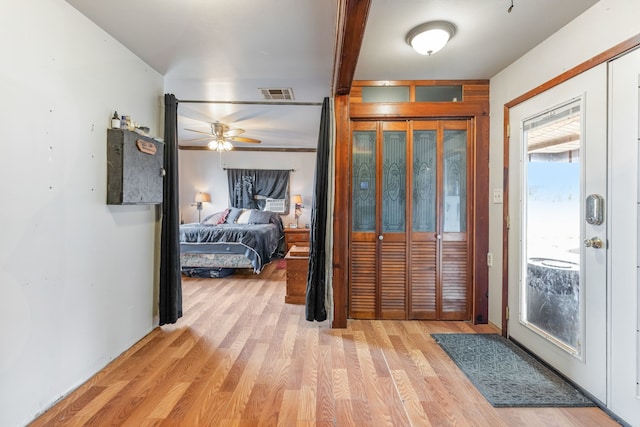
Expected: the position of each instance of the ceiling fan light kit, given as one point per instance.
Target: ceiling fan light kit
(430, 37)
(220, 145)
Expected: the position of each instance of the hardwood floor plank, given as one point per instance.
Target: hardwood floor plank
(242, 391)
(162, 409)
(242, 357)
(386, 406)
(340, 383)
(260, 394)
(200, 387)
(325, 401)
(441, 415)
(289, 409)
(585, 417)
(99, 401)
(124, 404)
(232, 377)
(354, 373)
(62, 415)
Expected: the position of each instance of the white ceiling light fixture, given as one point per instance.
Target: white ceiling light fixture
(430, 37)
(220, 145)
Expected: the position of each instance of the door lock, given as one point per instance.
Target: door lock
(594, 209)
(594, 242)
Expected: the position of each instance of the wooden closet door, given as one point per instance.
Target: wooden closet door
(378, 282)
(392, 221)
(440, 250)
(410, 251)
(363, 287)
(425, 180)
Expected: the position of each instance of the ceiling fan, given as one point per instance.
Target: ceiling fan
(222, 136)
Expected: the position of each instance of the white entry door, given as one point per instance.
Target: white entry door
(558, 228)
(624, 76)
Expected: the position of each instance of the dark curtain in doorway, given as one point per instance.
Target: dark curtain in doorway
(170, 304)
(316, 279)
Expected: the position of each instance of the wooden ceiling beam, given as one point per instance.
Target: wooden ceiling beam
(352, 20)
(266, 149)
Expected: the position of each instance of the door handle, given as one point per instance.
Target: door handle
(380, 237)
(594, 242)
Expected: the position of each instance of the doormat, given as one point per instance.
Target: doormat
(506, 375)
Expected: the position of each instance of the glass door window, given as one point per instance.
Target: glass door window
(552, 288)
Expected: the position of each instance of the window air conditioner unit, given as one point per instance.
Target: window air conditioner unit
(275, 205)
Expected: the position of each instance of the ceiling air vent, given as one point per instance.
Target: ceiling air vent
(279, 93)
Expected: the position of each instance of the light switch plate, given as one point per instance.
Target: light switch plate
(497, 195)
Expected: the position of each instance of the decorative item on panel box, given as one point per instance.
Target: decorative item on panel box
(125, 122)
(115, 121)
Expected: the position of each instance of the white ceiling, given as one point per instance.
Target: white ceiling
(222, 50)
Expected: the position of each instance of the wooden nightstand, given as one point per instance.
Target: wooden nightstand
(297, 269)
(296, 236)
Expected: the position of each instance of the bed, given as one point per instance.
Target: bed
(233, 238)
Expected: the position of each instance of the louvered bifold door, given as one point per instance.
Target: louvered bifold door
(378, 249)
(363, 295)
(423, 289)
(455, 267)
(393, 221)
(440, 281)
(409, 245)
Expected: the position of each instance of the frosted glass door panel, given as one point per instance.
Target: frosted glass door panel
(364, 181)
(455, 181)
(424, 180)
(394, 181)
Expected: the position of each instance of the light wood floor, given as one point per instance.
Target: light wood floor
(241, 357)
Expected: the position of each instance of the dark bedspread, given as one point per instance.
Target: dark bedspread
(262, 241)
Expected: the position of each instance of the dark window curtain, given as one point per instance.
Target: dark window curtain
(316, 279)
(241, 188)
(248, 188)
(170, 303)
(273, 184)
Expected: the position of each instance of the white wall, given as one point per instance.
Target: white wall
(77, 277)
(203, 171)
(606, 24)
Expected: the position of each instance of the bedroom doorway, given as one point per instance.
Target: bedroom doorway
(410, 235)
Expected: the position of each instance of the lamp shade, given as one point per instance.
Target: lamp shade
(430, 37)
(202, 197)
(297, 199)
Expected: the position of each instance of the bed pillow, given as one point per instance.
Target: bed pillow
(216, 218)
(260, 217)
(233, 215)
(244, 216)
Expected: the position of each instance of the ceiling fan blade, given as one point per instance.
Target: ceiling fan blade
(199, 131)
(233, 132)
(198, 139)
(192, 147)
(244, 139)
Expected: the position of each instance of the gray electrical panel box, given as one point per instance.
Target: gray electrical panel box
(135, 168)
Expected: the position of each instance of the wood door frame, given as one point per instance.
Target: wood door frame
(474, 106)
(605, 56)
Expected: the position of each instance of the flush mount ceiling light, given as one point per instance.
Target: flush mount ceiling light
(430, 37)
